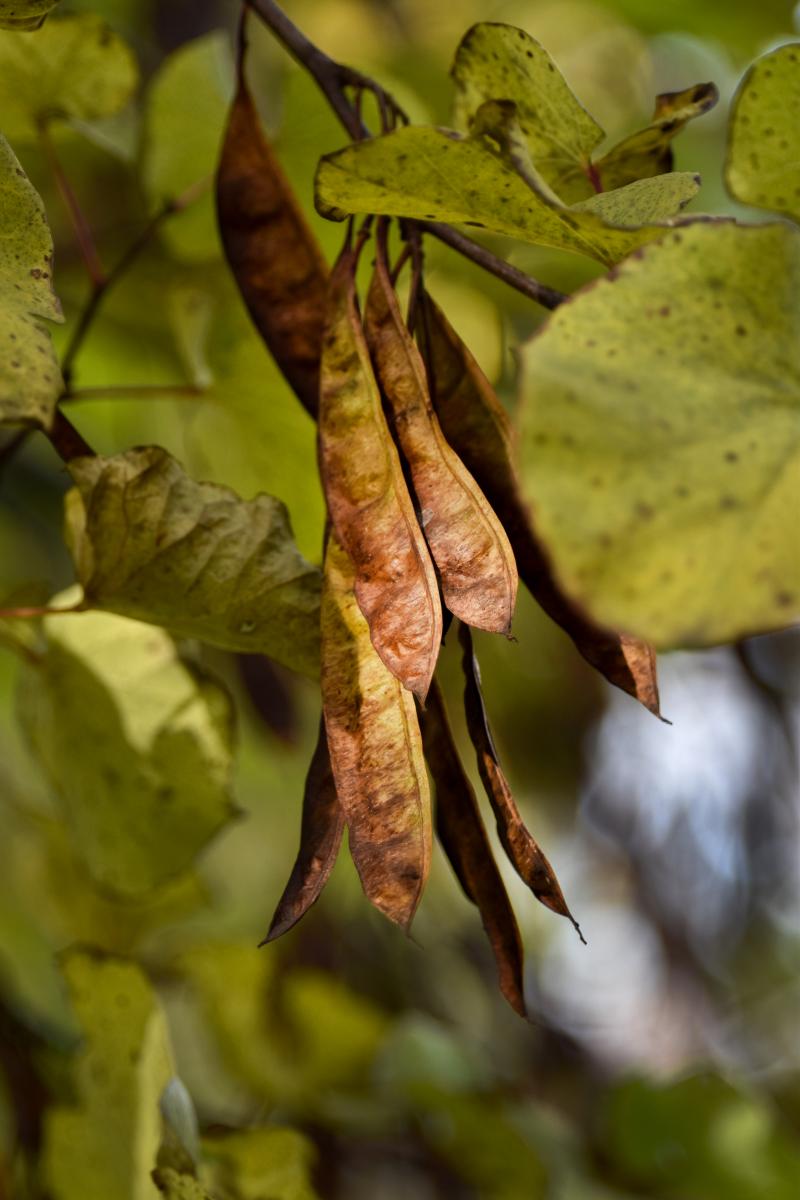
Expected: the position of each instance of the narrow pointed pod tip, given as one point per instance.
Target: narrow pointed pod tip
(273, 255)
(368, 500)
(320, 839)
(523, 851)
(467, 542)
(463, 838)
(477, 427)
(375, 750)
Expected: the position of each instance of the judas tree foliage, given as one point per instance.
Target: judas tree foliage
(646, 494)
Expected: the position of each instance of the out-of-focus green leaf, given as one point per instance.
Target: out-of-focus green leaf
(137, 748)
(659, 437)
(106, 1144)
(435, 174)
(151, 543)
(185, 112)
(75, 67)
(763, 166)
(191, 311)
(30, 380)
(22, 15)
(699, 1138)
(256, 1164)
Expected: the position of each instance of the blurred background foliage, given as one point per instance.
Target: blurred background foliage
(346, 1061)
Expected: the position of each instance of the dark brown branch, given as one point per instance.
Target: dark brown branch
(65, 439)
(332, 78)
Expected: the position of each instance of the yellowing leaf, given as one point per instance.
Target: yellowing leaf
(150, 543)
(499, 62)
(376, 752)
(138, 750)
(763, 165)
(659, 442)
(74, 68)
(30, 379)
(185, 111)
(435, 174)
(22, 15)
(106, 1143)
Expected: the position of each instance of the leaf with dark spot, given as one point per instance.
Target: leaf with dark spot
(461, 832)
(476, 426)
(468, 544)
(368, 499)
(375, 750)
(524, 853)
(271, 250)
(320, 838)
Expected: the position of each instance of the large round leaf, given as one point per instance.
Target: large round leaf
(660, 437)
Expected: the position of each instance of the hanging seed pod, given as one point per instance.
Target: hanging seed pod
(274, 256)
(462, 835)
(476, 426)
(376, 751)
(524, 852)
(467, 542)
(368, 501)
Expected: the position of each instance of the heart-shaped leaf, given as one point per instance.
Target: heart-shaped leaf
(660, 437)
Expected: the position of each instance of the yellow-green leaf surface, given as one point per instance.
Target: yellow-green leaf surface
(436, 174)
(185, 112)
(763, 166)
(176, 1186)
(105, 1144)
(75, 67)
(151, 543)
(20, 15)
(30, 379)
(660, 437)
(259, 1164)
(499, 62)
(137, 748)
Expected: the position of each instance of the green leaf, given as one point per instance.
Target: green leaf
(106, 1144)
(499, 62)
(137, 748)
(151, 543)
(185, 112)
(438, 175)
(30, 379)
(254, 1164)
(763, 164)
(660, 437)
(73, 68)
(22, 15)
(176, 1186)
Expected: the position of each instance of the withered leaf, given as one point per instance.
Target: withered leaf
(476, 425)
(368, 500)
(463, 837)
(524, 852)
(274, 256)
(375, 749)
(320, 838)
(468, 544)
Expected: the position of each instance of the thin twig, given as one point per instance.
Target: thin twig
(27, 611)
(102, 287)
(332, 78)
(131, 391)
(65, 439)
(80, 225)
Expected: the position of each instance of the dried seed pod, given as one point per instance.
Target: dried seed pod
(463, 837)
(320, 839)
(376, 751)
(467, 542)
(368, 501)
(524, 852)
(274, 256)
(476, 426)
